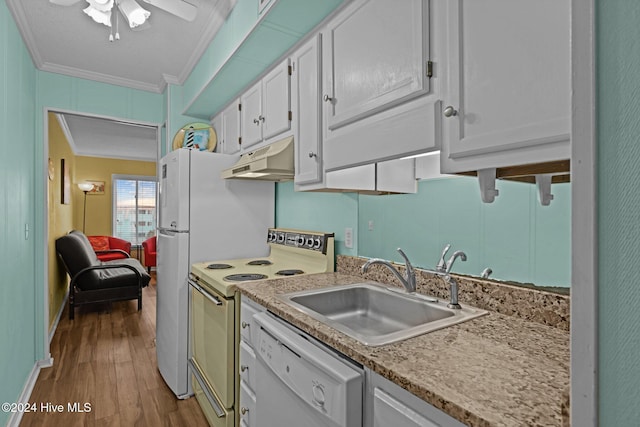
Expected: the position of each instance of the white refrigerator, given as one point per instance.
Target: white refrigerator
(202, 217)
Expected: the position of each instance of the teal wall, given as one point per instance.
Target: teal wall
(18, 288)
(618, 166)
(329, 212)
(517, 237)
(55, 91)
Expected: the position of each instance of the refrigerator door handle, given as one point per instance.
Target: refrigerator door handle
(204, 293)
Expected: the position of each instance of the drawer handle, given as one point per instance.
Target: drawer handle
(312, 154)
(244, 410)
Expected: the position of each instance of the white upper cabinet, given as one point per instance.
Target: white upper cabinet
(276, 108)
(231, 127)
(227, 127)
(266, 109)
(305, 93)
(375, 57)
(506, 100)
(378, 103)
(251, 113)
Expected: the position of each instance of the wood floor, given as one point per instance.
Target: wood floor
(106, 357)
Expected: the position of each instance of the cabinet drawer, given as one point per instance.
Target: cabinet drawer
(246, 319)
(247, 406)
(247, 364)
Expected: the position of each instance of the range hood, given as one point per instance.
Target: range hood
(273, 162)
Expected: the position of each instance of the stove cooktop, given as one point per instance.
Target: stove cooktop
(292, 253)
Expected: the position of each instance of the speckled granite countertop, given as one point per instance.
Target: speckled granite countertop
(496, 370)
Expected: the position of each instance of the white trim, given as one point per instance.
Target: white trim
(16, 417)
(52, 332)
(101, 77)
(584, 259)
(62, 120)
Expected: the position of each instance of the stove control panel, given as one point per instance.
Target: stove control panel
(300, 239)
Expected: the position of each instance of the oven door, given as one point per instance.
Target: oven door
(212, 341)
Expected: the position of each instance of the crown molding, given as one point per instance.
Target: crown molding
(100, 77)
(67, 132)
(215, 24)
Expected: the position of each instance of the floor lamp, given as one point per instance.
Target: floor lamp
(85, 187)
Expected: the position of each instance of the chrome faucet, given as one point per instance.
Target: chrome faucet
(409, 282)
(443, 268)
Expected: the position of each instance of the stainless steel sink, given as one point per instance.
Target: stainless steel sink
(376, 315)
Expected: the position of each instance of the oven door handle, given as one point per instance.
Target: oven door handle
(204, 293)
(211, 397)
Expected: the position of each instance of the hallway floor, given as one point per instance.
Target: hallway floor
(106, 357)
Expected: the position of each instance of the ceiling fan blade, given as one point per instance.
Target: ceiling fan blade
(179, 8)
(64, 2)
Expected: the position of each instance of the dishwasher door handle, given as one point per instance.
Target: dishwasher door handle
(204, 293)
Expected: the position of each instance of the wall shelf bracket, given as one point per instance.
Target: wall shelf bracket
(487, 181)
(543, 182)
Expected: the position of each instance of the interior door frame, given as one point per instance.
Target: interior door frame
(48, 334)
(584, 244)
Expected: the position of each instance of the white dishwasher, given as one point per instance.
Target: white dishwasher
(299, 382)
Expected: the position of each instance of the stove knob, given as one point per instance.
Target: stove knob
(309, 242)
(318, 243)
(281, 238)
(300, 241)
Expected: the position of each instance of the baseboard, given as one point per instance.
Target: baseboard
(16, 417)
(58, 316)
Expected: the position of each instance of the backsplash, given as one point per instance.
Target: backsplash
(534, 305)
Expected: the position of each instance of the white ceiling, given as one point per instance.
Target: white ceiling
(98, 137)
(65, 40)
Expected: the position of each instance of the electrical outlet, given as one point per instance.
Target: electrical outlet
(370, 225)
(348, 237)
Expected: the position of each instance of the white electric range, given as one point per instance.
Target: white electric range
(215, 314)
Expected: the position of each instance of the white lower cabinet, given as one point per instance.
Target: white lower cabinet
(247, 363)
(387, 404)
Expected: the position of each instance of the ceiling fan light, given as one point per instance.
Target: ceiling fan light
(101, 5)
(100, 17)
(135, 14)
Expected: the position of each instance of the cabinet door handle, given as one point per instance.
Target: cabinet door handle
(243, 368)
(327, 98)
(261, 118)
(244, 410)
(449, 111)
(312, 154)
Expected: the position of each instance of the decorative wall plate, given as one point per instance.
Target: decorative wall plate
(196, 136)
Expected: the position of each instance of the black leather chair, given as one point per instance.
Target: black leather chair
(95, 281)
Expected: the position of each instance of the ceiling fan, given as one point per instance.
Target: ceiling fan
(101, 11)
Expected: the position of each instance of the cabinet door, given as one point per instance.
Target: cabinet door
(251, 115)
(376, 57)
(508, 81)
(231, 126)
(306, 109)
(216, 124)
(276, 101)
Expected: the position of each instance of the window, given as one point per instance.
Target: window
(134, 208)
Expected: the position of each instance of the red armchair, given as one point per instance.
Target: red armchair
(149, 247)
(108, 248)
